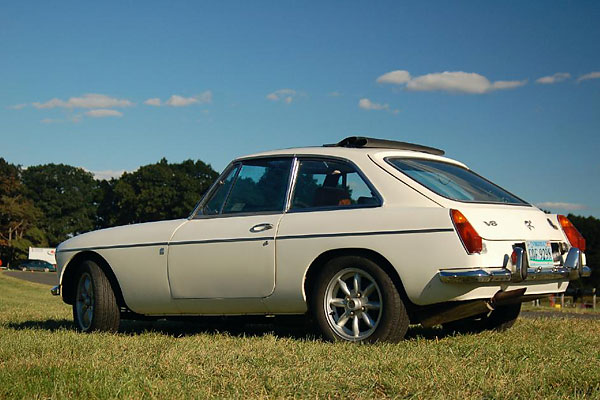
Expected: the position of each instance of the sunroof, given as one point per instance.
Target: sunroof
(366, 142)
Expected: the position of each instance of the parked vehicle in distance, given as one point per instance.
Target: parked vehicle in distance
(365, 236)
(36, 265)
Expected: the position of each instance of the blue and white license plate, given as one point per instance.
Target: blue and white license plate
(540, 254)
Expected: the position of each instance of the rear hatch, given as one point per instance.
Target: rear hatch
(507, 222)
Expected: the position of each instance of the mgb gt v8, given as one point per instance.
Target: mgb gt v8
(365, 236)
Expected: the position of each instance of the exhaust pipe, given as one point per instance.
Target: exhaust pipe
(453, 312)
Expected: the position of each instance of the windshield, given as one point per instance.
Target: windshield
(453, 181)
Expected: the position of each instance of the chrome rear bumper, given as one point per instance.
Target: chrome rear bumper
(518, 271)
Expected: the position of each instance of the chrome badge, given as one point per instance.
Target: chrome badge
(529, 225)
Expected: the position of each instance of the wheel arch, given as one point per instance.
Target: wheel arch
(313, 271)
(70, 274)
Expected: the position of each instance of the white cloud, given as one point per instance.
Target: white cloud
(103, 112)
(555, 78)
(448, 81)
(500, 85)
(552, 205)
(459, 81)
(180, 101)
(367, 104)
(334, 94)
(90, 100)
(49, 121)
(155, 101)
(18, 106)
(107, 174)
(285, 95)
(591, 75)
(397, 77)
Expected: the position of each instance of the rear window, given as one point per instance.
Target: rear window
(453, 181)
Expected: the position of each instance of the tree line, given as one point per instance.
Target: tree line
(43, 205)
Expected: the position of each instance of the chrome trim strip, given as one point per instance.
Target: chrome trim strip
(212, 241)
(376, 233)
(114, 246)
(251, 239)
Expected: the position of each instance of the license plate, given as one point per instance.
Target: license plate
(540, 253)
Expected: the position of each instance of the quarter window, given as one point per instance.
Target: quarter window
(215, 203)
(330, 184)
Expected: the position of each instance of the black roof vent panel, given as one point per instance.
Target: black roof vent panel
(361, 142)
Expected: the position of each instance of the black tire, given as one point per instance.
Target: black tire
(389, 323)
(501, 319)
(95, 308)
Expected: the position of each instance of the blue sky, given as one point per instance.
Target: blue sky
(111, 86)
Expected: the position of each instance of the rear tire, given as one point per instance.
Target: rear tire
(501, 319)
(355, 300)
(95, 307)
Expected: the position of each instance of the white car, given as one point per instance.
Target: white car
(365, 236)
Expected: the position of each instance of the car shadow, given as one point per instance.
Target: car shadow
(296, 329)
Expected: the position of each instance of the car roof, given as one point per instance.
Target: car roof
(349, 153)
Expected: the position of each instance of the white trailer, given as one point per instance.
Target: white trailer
(41, 253)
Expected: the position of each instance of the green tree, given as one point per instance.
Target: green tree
(18, 216)
(67, 196)
(154, 192)
(589, 227)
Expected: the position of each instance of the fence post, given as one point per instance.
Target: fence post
(594, 298)
(562, 300)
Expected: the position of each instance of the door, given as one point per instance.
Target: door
(228, 249)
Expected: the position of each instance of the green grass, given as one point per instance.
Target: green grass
(41, 356)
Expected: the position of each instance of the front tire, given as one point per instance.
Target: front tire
(95, 307)
(355, 300)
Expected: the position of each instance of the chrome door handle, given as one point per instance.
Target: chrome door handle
(261, 228)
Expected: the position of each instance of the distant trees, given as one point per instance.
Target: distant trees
(18, 215)
(154, 192)
(67, 196)
(46, 204)
(589, 227)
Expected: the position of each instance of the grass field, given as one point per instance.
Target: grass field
(41, 356)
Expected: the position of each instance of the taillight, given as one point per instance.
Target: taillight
(467, 233)
(572, 233)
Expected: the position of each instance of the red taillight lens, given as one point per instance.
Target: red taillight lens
(467, 233)
(572, 233)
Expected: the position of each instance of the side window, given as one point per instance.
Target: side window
(325, 183)
(260, 186)
(214, 205)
